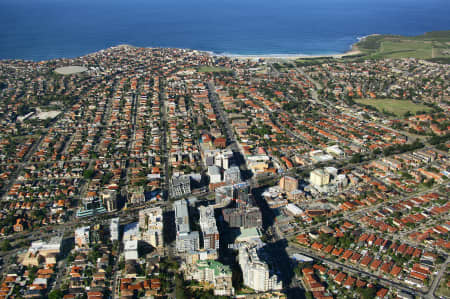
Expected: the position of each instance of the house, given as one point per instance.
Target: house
(382, 293)
(339, 279)
(366, 261)
(395, 271)
(375, 265)
(349, 282)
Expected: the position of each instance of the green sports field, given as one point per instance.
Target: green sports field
(397, 107)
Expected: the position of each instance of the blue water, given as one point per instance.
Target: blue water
(44, 29)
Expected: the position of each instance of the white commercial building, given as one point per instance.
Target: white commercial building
(180, 186)
(255, 272)
(332, 171)
(188, 241)
(222, 158)
(335, 151)
(209, 228)
(294, 210)
(185, 239)
(52, 246)
(214, 174)
(181, 216)
(131, 250)
(318, 177)
(232, 175)
(213, 272)
(131, 232)
(151, 226)
(82, 237)
(114, 229)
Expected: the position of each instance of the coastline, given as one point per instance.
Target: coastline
(353, 51)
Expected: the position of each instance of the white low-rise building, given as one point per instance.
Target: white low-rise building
(131, 250)
(294, 210)
(213, 272)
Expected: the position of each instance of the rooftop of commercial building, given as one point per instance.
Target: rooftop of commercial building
(218, 267)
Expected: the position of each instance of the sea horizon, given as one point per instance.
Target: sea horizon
(48, 29)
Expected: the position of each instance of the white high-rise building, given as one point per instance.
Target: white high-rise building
(180, 186)
(255, 272)
(82, 237)
(151, 226)
(114, 229)
(181, 216)
(319, 177)
(232, 175)
(222, 158)
(209, 228)
(185, 240)
(188, 241)
(214, 174)
(109, 199)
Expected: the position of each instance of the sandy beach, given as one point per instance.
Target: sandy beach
(295, 56)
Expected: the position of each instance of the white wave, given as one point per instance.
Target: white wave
(272, 55)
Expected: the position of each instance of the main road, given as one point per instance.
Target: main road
(233, 144)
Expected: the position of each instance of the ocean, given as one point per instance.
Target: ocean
(45, 29)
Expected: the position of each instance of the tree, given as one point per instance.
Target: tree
(88, 174)
(367, 293)
(32, 273)
(357, 158)
(440, 260)
(5, 246)
(70, 258)
(180, 291)
(55, 294)
(429, 183)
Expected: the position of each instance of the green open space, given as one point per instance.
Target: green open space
(213, 69)
(443, 290)
(431, 45)
(397, 107)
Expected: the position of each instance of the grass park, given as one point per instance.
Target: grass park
(397, 107)
(431, 45)
(212, 69)
(443, 290)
